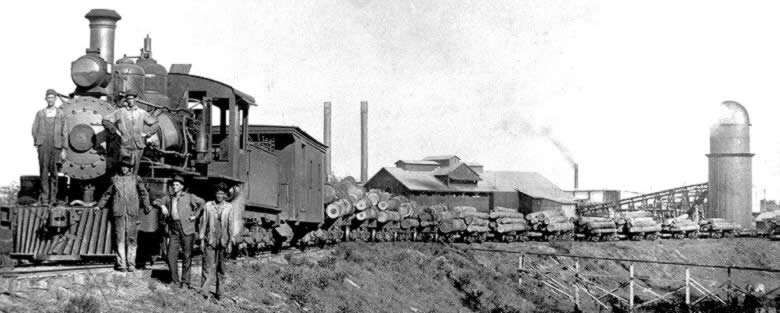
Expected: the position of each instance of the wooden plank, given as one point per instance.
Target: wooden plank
(93, 236)
(17, 229)
(87, 231)
(101, 242)
(28, 213)
(73, 243)
(36, 225)
(109, 238)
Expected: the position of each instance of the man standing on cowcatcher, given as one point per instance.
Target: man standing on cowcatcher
(127, 193)
(215, 234)
(48, 133)
(181, 210)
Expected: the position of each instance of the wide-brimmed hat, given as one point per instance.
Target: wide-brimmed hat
(221, 186)
(177, 178)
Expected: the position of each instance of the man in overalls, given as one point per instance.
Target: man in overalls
(48, 132)
(216, 228)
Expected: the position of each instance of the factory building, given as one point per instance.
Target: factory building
(447, 179)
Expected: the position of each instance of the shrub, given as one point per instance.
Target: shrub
(82, 304)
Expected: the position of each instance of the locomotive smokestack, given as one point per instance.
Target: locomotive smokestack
(102, 23)
(326, 138)
(363, 141)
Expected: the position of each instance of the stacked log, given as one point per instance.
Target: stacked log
(642, 224)
(374, 195)
(595, 224)
(478, 222)
(504, 220)
(452, 225)
(388, 216)
(329, 194)
(339, 208)
(680, 224)
(718, 224)
(549, 221)
(367, 215)
(409, 223)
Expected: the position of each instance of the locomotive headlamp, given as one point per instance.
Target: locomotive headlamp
(90, 70)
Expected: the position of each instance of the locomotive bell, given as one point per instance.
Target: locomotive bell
(58, 217)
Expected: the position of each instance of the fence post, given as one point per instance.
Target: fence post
(520, 260)
(631, 288)
(728, 287)
(687, 288)
(576, 288)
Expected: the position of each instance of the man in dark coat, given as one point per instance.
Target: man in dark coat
(48, 133)
(127, 194)
(181, 210)
(134, 126)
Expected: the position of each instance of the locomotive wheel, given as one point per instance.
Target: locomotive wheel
(717, 235)
(614, 237)
(634, 237)
(594, 237)
(729, 234)
(693, 235)
(678, 235)
(482, 237)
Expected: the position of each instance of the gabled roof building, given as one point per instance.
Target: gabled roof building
(458, 183)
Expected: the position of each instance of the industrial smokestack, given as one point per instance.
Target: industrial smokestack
(326, 138)
(102, 23)
(363, 141)
(576, 176)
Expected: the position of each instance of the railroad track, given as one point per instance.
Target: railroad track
(32, 270)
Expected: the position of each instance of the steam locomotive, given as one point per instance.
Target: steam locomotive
(275, 172)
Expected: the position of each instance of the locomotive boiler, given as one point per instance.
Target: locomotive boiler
(276, 173)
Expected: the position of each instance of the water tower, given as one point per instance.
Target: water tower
(731, 166)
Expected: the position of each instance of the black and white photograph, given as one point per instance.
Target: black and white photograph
(393, 156)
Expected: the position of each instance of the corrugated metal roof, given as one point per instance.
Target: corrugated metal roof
(447, 170)
(530, 183)
(426, 181)
(440, 157)
(418, 162)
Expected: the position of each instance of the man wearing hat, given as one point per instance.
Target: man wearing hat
(127, 194)
(49, 137)
(180, 209)
(215, 234)
(133, 126)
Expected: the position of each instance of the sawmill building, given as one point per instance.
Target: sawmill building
(447, 179)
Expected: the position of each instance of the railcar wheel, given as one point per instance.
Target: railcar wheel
(693, 235)
(716, 235)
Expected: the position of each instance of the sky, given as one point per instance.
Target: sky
(629, 88)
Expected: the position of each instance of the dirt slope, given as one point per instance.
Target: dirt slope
(406, 277)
